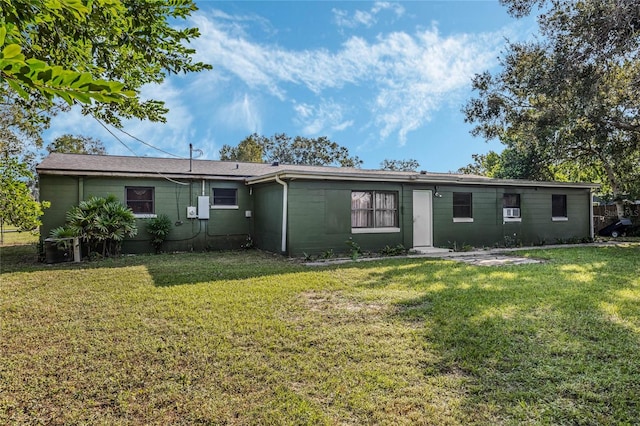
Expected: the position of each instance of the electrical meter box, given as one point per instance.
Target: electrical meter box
(192, 212)
(203, 207)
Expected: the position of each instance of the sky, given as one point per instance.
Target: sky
(387, 80)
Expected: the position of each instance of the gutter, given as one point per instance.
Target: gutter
(285, 202)
(416, 178)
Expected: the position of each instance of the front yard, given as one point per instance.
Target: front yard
(251, 338)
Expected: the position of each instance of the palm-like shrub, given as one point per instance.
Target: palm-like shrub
(102, 224)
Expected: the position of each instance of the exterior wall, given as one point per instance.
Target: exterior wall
(489, 229)
(225, 229)
(320, 217)
(319, 214)
(267, 216)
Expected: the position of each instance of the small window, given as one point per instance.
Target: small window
(558, 206)
(511, 207)
(225, 197)
(462, 206)
(140, 199)
(374, 209)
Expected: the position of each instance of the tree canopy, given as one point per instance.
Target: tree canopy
(98, 53)
(410, 165)
(70, 144)
(298, 150)
(570, 100)
(18, 207)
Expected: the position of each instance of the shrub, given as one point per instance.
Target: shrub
(102, 224)
(159, 228)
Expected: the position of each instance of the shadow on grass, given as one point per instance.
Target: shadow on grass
(164, 269)
(552, 343)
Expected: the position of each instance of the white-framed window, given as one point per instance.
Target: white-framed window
(511, 211)
(374, 211)
(462, 207)
(225, 198)
(141, 200)
(559, 207)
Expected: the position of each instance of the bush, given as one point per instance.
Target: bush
(102, 224)
(159, 228)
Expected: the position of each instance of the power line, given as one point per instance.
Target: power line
(136, 155)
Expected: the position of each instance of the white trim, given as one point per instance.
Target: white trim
(216, 207)
(559, 219)
(462, 220)
(511, 219)
(145, 215)
(388, 230)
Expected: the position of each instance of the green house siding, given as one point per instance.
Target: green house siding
(225, 229)
(489, 228)
(267, 216)
(320, 217)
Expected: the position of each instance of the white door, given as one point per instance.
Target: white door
(422, 219)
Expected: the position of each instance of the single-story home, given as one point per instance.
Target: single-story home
(295, 209)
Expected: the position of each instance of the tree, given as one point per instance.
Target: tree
(70, 144)
(511, 163)
(284, 149)
(249, 149)
(18, 207)
(409, 165)
(99, 53)
(570, 101)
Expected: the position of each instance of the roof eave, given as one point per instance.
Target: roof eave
(417, 178)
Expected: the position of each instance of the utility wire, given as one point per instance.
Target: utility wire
(133, 152)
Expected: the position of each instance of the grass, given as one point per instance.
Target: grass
(251, 338)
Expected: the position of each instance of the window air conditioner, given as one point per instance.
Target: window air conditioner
(511, 212)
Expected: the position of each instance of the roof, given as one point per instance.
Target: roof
(254, 173)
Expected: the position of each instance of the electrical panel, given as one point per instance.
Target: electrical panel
(192, 212)
(203, 207)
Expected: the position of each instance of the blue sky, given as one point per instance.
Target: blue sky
(385, 79)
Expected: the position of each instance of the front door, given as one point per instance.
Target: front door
(422, 219)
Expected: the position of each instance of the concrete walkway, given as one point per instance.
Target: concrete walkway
(486, 257)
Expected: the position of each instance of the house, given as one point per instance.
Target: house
(293, 209)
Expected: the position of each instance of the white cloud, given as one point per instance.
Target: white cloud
(318, 120)
(408, 76)
(173, 136)
(366, 18)
(242, 113)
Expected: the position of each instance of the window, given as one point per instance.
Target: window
(140, 199)
(511, 207)
(462, 207)
(374, 209)
(225, 197)
(559, 207)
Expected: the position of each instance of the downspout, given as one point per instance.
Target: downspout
(285, 196)
(591, 224)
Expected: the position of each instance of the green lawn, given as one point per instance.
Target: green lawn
(251, 338)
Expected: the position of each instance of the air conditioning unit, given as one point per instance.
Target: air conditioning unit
(511, 212)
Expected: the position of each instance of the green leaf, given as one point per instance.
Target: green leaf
(11, 51)
(17, 88)
(3, 34)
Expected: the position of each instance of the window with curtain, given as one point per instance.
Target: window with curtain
(374, 209)
(140, 199)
